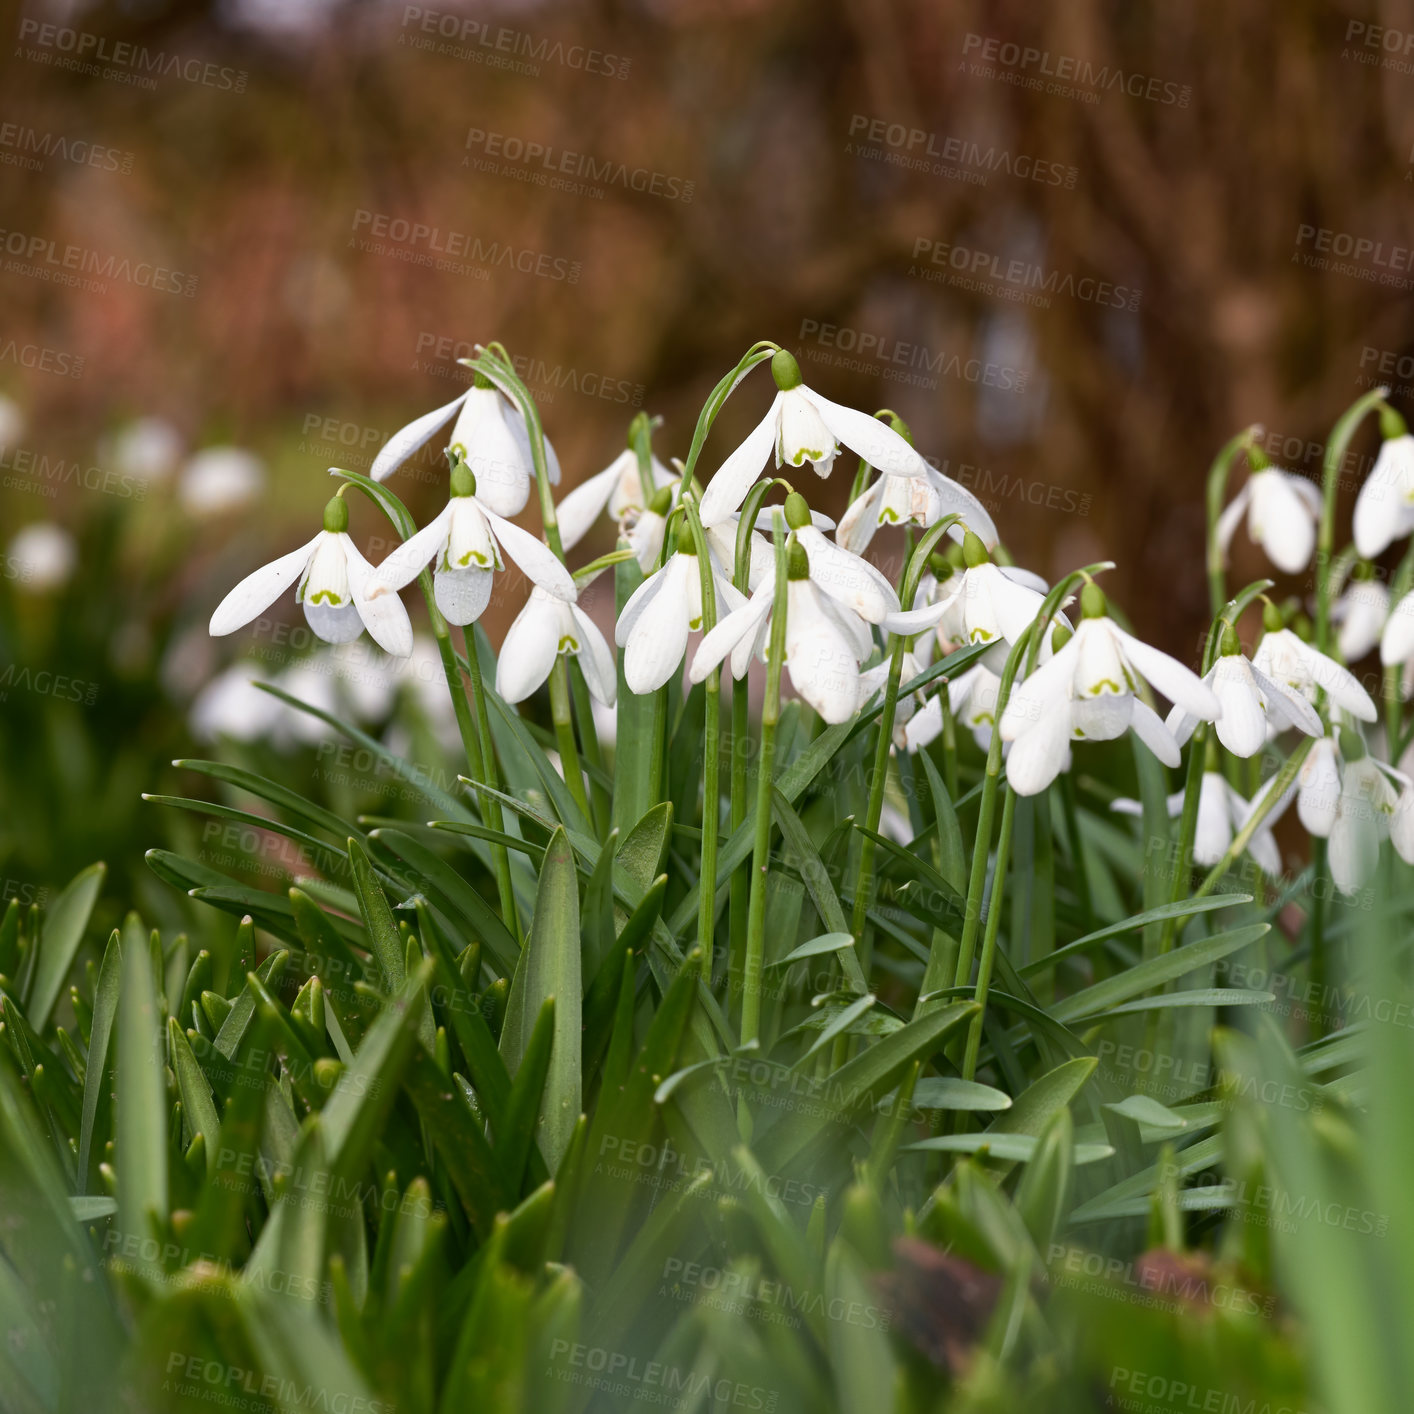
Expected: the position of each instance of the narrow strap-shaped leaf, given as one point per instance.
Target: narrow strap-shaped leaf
(95, 1085)
(141, 1152)
(64, 922)
(550, 966)
(383, 937)
(516, 1137)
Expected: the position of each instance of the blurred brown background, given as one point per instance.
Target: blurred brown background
(1075, 246)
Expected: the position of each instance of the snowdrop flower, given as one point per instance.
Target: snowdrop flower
(654, 625)
(1345, 796)
(491, 435)
(544, 629)
(801, 426)
(1222, 813)
(1397, 636)
(464, 543)
(825, 642)
(1087, 692)
(895, 500)
(990, 604)
(146, 450)
(644, 527)
(41, 558)
(1282, 511)
(335, 584)
(12, 421)
(220, 479)
(1384, 509)
(1292, 663)
(1254, 707)
(847, 578)
(1361, 612)
(231, 705)
(619, 490)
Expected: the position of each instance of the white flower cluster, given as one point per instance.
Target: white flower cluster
(1091, 680)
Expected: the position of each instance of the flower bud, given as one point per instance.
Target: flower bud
(785, 370)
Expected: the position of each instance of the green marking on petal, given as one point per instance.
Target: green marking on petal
(568, 644)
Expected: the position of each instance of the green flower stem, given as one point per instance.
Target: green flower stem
(640, 438)
(1336, 446)
(599, 800)
(761, 851)
(1070, 809)
(1320, 958)
(477, 751)
(1028, 643)
(1187, 828)
(989, 941)
(1217, 493)
(759, 352)
(740, 882)
(711, 755)
(949, 744)
(914, 566)
(564, 734)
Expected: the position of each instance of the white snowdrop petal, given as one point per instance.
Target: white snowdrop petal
(727, 489)
(259, 590)
(404, 564)
(586, 503)
(1179, 684)
(529, 649)
(407, 440)
(1242, 727)
(1214, 829)
(659, 637)
(869, 437)
(462, 595)
(1154, 734)
(596, 660)
(1038, 756)
(1339, 684)
(383, 613)
(858, 524)
(334, 623)
(538, 560)
(1319, 795)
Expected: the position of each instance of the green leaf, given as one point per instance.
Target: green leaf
(197, 1104)
(64, 922)
(383, 936)
(514, 1140)
(95, 1080)
(1155, 972)
(1013, 1148)
(550, 967)
(1032, 1110)
(826, 942)
(946, 1092)
(1186, 909)
(141, 1156)
(634, 737)
(1145, 1110)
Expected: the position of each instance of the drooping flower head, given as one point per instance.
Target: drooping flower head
(490, 435)
(1282, 511)
(1293, 663)
(463, 544)
(1087, 691)
(1384, 509)
(1222, 813)
(802, 426)
(335, 585)
(655, 623)
(1255, 707)
(545, 628)
(619, 490)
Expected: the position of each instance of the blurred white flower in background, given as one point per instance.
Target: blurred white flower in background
(41, 557)
(12, 421)
(146, 450)
(231, 705)
(220, 479)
